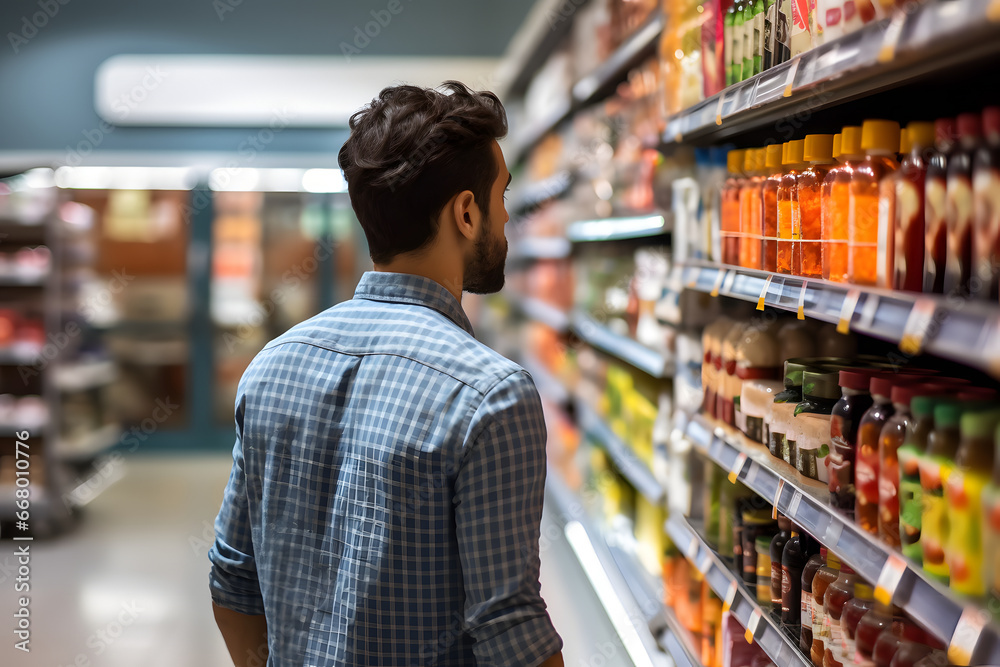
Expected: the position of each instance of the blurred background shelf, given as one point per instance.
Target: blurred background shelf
(614, 229)
(657, 364)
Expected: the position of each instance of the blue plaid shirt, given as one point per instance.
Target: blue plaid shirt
(386, 491)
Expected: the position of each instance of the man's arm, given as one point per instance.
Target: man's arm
(554, 661)
(499, 489)
(245, 635)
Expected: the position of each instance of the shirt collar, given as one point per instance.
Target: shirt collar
(410, 288)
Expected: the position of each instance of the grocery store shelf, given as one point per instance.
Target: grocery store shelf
(599, 83)
(631, 466)
(632, 352)
(536, 247)
(88, 446)
(539, 311)
(612, 229)
(805, 502)
(85, 375)
(537, 193)
(765, 629)
(10, 357)
(949, 327)
(631, 598)
(921, 40)
(29, 280)
(549, 386)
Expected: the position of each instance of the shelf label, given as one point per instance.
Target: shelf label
(692, 550)
(752, 626)
(793, 507)
(889, 578)
(891, 40)
(718, 109)
(777, 498)
(751, 475)
(727, 604)
(734, 472)
(704, 564)
(719, 277)
(790, 81)
(695, 272)
(847, 311)
(801, 311)
(763, 293)
(917, 324)
(966, 637)
(727, 285)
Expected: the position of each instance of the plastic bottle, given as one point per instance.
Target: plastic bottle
(845, 419)
(991, 531)
(724, 407)
(910, 492)
(964, 491)
(825, 576)
(757, 522)
(764, 572)
(711, 203)
(867, 457)
(935, 467)
(909, 653)
(908, 224)
(752, 209)
(773, 163)
(809, 570)
(776, 552)
(758, 357)
(753, 57)
(739, 38)
(837, 595)
(958, 262)
(727, 30)
(788, 213)
(818, 152)
(836, 205)
(730, 220)
(877, 620)
(885, 252)
(711, 341)
(854, 610)
(986, 209)
(936, 206)
(880, 142)
(801, 38)
(798, 549)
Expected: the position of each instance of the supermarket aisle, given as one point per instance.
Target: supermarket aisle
(129, 586)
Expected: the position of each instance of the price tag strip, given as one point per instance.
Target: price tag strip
(762, 299)
(734, 472)
(888, 580)
(869, 311)
(727, 285)
(777, 498)
(793, 507)
(694, 273)
(917, 324)
(704, 564)
(727, 604)
(847, 311)
(692, 549)
(752, 626)
(966, 637)
(719, 277)
(801, 312)
(718, 109)
(790, 81)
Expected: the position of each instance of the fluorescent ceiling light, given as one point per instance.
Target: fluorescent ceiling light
(277, 180)
(324, 180)
(125, 178)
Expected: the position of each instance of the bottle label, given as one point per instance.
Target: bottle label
(769, 35)
(908, 210)
(818, 618)
(807, 610)
(758, 43)
(777, 584)
(836, 640)
(849, 647)
(986, 222)
(991, 531)
(934, 519)
(910, 502)
(964, 546)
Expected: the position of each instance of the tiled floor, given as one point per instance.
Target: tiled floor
(127, 588)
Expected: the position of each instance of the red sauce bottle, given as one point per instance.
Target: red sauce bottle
(935, 206)
(837, 595)
(809, 571)
(854, 610)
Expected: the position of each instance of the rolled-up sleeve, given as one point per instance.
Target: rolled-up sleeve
(233, 579)
(499, 492)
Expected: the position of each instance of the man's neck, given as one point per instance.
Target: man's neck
(441, 276)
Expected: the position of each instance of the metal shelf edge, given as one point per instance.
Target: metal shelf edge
(630, 351)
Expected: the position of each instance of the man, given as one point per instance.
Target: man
(386, 492)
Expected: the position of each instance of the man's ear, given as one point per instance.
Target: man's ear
(467, 214)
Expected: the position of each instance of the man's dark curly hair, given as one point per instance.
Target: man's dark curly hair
(410, 151)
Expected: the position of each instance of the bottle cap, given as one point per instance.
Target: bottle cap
(991, 121)
(793, 155)
(903, 394)
(823, 552)
(944, 132)
(821, 384)
(863, 591)
(734, 161)
(880, 135)
(773, 157)
(760, 159)
(850, 141)
(976, 393)
(832, 560)
(969, 126)
(858, 379)
(948, 414)
(921, 134)
(818, 147)
(979, 424)
(836, 145)
(750, 161)
(846, 569)
(882, 384)
(904, 141)
(923, 406)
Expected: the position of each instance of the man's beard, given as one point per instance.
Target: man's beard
(484, 273)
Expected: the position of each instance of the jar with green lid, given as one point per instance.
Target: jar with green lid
(964, 491)
(820, 392)
(757, 403)
(763, 548)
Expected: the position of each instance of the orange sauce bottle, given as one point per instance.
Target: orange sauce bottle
(730, 207)
(886, 244)
(751, 209)
(880, 142)
(772, 162)
(835, 204)
(818, 152)
(788, 259)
